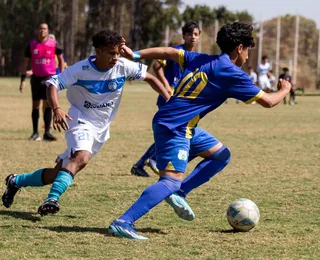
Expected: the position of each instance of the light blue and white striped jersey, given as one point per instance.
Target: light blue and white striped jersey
(263, 69)
(95, 94)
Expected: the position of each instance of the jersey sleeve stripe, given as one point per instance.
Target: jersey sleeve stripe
(181, 59)
(255, 98)
(163, 62)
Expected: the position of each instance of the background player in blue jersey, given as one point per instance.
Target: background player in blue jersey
(206, 83)
(95, 87)
(169, 73)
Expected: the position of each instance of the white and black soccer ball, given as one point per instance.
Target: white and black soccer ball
(243, 214)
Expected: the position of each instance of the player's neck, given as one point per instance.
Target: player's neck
(190, 47)
(42, 39)
(101, 65)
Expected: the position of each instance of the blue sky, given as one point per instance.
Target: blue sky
(266, 9)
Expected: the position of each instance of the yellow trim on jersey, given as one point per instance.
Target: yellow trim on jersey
(255, 98)
(170, 167)
(163, 62)
(181, 59)
(191, 125)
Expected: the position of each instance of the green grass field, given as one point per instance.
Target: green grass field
(275, 163)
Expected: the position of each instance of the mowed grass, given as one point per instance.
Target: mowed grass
(275, 163)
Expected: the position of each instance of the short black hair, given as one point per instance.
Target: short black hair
(285, 69)
(265, 57)
(189, 27)
(232, 35)
(106, 37)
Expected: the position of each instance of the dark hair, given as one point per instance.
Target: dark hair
(265, 57)
(250, 67)
(232, 35)
(285, 69)
(189, 27)
(106, 37)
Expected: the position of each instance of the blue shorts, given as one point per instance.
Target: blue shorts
(174, 152)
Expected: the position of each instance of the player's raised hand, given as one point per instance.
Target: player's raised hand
(284, 84)
(59, 120)
(125, 51)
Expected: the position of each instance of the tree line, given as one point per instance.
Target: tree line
(143, 23)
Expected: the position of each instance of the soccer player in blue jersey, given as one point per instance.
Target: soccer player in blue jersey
(206, 83)
(95, 87)
(169, 73)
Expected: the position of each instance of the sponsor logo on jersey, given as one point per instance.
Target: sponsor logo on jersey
(35, 51)
(85, 67)
(112, 85)
(88, 104)
(183, 155)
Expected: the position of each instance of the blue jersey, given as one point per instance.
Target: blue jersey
(172, 72)
(206, 83)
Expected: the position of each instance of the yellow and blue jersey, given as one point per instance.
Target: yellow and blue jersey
(207, 81)
(172, 72)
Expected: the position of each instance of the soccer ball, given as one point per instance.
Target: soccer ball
(243, 215)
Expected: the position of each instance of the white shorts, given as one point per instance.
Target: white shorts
(264, 83)
(80, 138)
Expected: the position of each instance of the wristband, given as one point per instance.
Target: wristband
(23, 77)
(56, 109)
(136, 55)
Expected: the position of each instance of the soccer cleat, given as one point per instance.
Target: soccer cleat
(121, 228)
(49, 207)
(12, 189)
(152, 164)
(34, 137)
(49, 137)
(135, 170)
(180, 206)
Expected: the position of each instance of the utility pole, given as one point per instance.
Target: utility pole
(278, 47)
(296, 47)
(200, 42)
(260, 42)
(318, 62)
(166, 36)
(74, 29)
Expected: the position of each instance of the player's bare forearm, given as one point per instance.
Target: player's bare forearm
(24, 65)
(160, 53)
(61, 63)
(52, 97)
(157, 86)
(158, 70)
(269, 100)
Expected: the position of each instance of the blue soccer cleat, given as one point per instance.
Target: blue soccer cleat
(121, 228)
(181, 207)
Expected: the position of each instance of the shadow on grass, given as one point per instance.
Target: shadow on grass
(21, 215)
(103, 231)
(225, 231)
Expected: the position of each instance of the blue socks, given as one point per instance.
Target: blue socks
(205, 170)
(150, 153)
(33, 179)
(151, 197)
(60, 184)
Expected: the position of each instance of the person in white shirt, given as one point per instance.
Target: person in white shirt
(252, 75)
(95, 88)
(262, 70)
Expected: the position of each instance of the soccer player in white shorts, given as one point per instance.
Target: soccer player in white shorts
(95, 87)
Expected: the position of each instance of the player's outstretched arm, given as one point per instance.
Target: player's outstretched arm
(151, 53)
(157, 86)
(269, 100)
(59, 116)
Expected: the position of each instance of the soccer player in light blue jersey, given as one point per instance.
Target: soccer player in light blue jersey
(95, 88)
(169, 73)
(206, 83)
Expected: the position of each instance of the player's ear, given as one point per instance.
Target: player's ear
(240, 48)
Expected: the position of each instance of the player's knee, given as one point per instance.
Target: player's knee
(171, 183)
(223, 155)
(81, 160)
